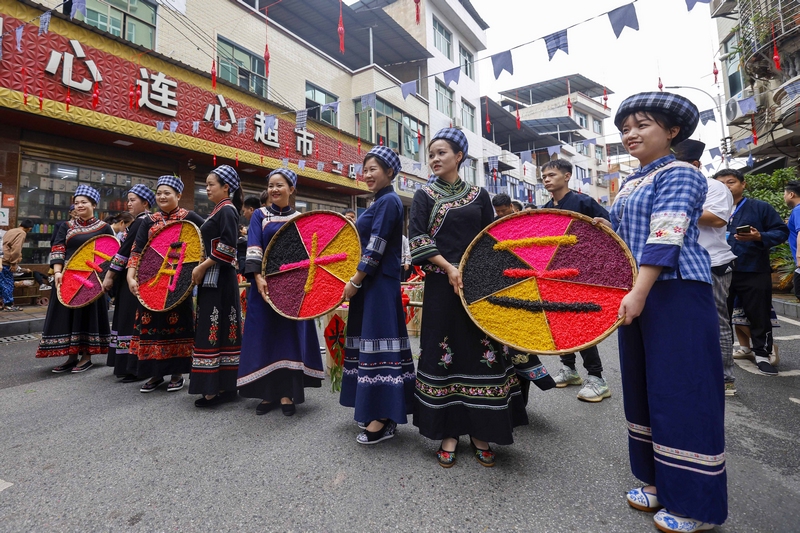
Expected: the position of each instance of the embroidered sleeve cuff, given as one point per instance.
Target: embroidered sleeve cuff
(422, 247)
(369, 263)
(664, 255)
(133, 261)
(668, 228)
(222, 253)
(57, 254)
(118, 263)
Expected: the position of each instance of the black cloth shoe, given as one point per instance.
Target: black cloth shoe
(767, 369)
(203, 402)
(288, 409)
(131, 378)
(264, 408)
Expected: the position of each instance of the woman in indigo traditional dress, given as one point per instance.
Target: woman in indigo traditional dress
(163, 342)
(75, 333)
(378, 378)
(466, 383)
(672, 384)
(280, 357)
(140, 201)
(218, 337)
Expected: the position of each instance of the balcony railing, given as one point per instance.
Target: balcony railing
(763, 23)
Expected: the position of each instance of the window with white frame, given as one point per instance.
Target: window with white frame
(580, 148)
(732, 65)
(582, 120)
(467, 116)
(467, 60)
(597, 126)
(471, 171)
(442, 39)
(444, 99)
(393, 128)
(132, 20)
(315, 97)
(598, 153)
(241, 67)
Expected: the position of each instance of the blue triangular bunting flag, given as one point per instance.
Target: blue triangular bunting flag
(553, 150)
(501, 62)
(623, 17)
(691, 3)
(452, 75)
(408, 88)
(555, 42)
(714, 153)
(44, 22)
(707, 115)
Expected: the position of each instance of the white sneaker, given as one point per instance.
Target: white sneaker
(567, 376)
(44, 287)
(594, 390)
(744, 353)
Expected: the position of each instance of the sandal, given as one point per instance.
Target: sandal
(484, 457)
(12, 309)
(643, 501)
(446, 459)
(151, 386)
(174, 386)
(83, 368)
(374, 437)
(66, 367)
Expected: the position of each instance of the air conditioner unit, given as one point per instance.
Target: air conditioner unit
(733, 113)
(457, 122)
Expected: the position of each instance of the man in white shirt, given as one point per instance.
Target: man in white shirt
(713, 224)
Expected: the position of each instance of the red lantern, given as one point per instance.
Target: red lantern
(41, 99)
(215, 160)
(715, 71)
(569, 106)
(660, 85)
(131, 96)
(237, 158)
(419, 137)
(213, 73)
(341, 29)
(266, 46)
(359, 146)
(605, 98)
(775, 55)
(488, 121)
(417, 3)
(753, 127)
(138, 94)
(95, 96)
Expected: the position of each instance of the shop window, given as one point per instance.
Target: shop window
(241, 67)
(133, 20)
(45, 194)
(442, 39)
(315, 97)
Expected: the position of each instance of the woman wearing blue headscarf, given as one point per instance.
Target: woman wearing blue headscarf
(466, 382)
(378, 378)
(83, 332)
(280, 357)
(218, 336)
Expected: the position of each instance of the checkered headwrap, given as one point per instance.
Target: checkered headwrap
(679, 108)
(228, 175)
(144, 193)
(285, 172)
(171, 181)
(388, 157)
(457, 136)
(89, 192)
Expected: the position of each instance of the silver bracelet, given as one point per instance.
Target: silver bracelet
(354, 284)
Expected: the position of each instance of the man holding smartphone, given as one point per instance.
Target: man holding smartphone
(753, 229)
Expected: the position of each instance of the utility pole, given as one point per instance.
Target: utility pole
(723, 143)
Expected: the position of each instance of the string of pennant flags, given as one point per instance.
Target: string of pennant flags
(619, 18)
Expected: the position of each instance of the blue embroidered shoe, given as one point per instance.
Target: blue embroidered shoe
(673, 523)
(374, 437)
(643, 501)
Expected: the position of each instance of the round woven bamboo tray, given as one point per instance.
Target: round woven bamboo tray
(616, 258)
(181, 267)
(91, 272)
(290, 246)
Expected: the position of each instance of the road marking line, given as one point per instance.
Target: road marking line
(747, 364)
(795, 400)
(4, 485)
(788, 320)
(787, 338)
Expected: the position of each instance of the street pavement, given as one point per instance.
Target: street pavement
(85, 453)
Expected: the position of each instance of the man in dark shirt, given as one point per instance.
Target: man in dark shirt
(502, 205)
(753, 228)
(556, 175)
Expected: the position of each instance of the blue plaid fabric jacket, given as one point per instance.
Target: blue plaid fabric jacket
(656, 214)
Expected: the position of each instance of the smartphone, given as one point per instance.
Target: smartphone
(743, 230)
